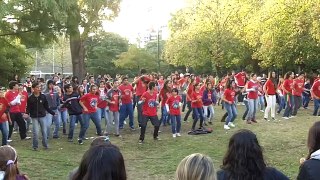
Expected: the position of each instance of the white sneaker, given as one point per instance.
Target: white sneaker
(174, 135)
(261, 110)
(230, 124)
(226, 127)
(285, 118)
(9, 140)
(178, 135)
(125, 122)
(292, 116)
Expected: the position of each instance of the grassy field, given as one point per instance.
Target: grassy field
(284, 143)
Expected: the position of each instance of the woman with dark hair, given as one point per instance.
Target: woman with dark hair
(197, 105)
(287, 87)
(252, 87)
(270, 91)
(229, 104)
(164, 94)
(191, 83)
(309, 170)
(244, 160)
(102, 162)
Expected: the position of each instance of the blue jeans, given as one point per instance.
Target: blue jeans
(184, 101)
(197, 113)
(175, 123)
(103, 112)
(125, 111)
(305, 101)
(282, 103)
(232, 112)
(261, 102)
(4, 130)
(289, 105)
(113, 117)
(64, 118)
(316, 106)
(253, 106)
(56, 120)
(44, 124)
(73, 119)
(86, 121)
(247, 109)
(165, 117)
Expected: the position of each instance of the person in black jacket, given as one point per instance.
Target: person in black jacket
(309, 169)
(71, 102)
(37, 108)
(244, 160)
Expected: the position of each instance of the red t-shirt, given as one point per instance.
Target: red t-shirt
(182, 81)
(253, 94)
(90, 101)
(287, 85)
(161, 83)
(316, 88)
(270, 89)
(189, 92)
(126, 93)
(113, 95)
(149, 107)
(3, 106)
(141, 86)
(240, 79)
(102, 103)
(164, 96)
(298, 86)
(202, 88)
(10, 96)
(229, 95)
(24, 99)
(173, 103)
(196, 96)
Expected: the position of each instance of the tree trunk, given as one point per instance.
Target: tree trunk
(77, 56)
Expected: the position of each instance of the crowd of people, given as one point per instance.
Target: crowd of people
(244, 160)
(64, 102)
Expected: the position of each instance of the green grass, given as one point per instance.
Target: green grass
(284, 143)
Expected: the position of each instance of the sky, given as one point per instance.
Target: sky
(136, 16)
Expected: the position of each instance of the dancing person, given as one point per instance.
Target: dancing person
(306, 94)
(126, 108)
(287, 93)
(298, 87)
(164, 94)
(252, 89)
(173, 108)
(228, 99)
(113, 98)
(209, 99)
(197, 105)
(196, 167)
(244, 160)
(149, 112)
(270, 91)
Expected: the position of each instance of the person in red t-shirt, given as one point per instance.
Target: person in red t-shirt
(102, 107)
(23, 106)
(190, 88)
(228, 98)
(14, 99)
(89, 103)
(114, 98)
(287, 87)
(164, 94)
(4, 105)
(149, 112)
(141, 87)
(298, 88)
(126, 108)
(173, 105)
(270, 92)
(315, 94)
(197, 105)
(252, 87)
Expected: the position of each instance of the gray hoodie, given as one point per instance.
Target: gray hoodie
(52, 97)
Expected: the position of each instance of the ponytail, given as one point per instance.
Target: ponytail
(11, 171)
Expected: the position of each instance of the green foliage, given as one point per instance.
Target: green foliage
(250, 34)
(135, 59)
(102, 50)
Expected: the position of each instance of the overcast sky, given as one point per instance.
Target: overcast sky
(137, 16)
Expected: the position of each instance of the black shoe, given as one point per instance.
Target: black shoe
(140, 142)
(80, 141)
(55, 137)
(132, 128)
(265, 119)
(70, 140)
(210, 122)
(157, 139)
(64, 132)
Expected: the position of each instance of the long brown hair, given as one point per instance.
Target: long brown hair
(7, 154)
(314, 138)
